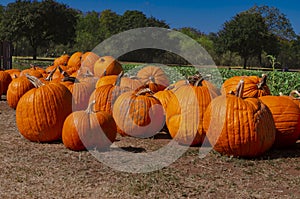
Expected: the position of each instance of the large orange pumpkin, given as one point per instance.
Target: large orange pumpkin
(138, 114)
(185, 112)
(107, 65)
(239, 127)
(253, 86)
(89, 130)
(62, 60)
(286, 116)
(41, 111)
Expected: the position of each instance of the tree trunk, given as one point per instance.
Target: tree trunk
(34, 55)
(245, 62)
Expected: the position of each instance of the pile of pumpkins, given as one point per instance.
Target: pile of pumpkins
(86, 100)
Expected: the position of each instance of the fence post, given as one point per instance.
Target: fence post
(7, 50)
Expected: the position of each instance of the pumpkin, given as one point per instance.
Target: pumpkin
(75, 60)
(88, 60)
(239, 127)
(33, 71)
(89, 130)
(81, 92)
(16, 89)
(253, 86)
(107, 65)
(138, 114)
(14, 73)
(41, 111)
(108, 79)
(295, 96)
(106, 95)
(5, 80)
(61, 61)
(286, 116)
(154, 78)
(185, 112)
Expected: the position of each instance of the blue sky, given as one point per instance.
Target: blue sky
(206, 16)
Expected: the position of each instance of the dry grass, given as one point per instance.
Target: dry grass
(32, 170)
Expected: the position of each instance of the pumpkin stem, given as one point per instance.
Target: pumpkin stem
(89, 109)
(152, 79)
(144, 91)
(293, 93)
(199, 82)
(64, 73)
(49, 77)
(262, 82)
(35, 81)
(240, 89)
(118, 81)
(70, 79)
(33, 66)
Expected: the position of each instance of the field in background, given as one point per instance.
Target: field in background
(278, 81)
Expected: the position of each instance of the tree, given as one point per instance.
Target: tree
(88, 31)
(245, 34)
(39, 22)
(153, 22)
(132, 19)
(277, 22)
(109, 23)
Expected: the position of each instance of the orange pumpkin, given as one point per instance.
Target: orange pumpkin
(89, 130)
(239, 127)
(62, 60)
(253, 86)
(16, 89)
(185, 112)
(14, 73)
(107, 65)
(88, 60)
(41, 111)
(5, 80)
(75, 60)
(154, 78)
(286, 116)
(138, 114)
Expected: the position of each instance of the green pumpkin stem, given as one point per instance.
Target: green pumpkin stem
(262, 82)
(240, 89)
(35, 81)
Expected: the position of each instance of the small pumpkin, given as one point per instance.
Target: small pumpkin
(41, 111)
(89, 130)
(239, 127)
(14, 73)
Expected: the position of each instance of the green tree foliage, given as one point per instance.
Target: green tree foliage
(39, 22)
(245, 34)
(109, 23)
(88, 32)
(277, 22)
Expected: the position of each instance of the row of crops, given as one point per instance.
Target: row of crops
(278, 82)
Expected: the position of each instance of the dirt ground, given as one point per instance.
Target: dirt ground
(33, 170)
